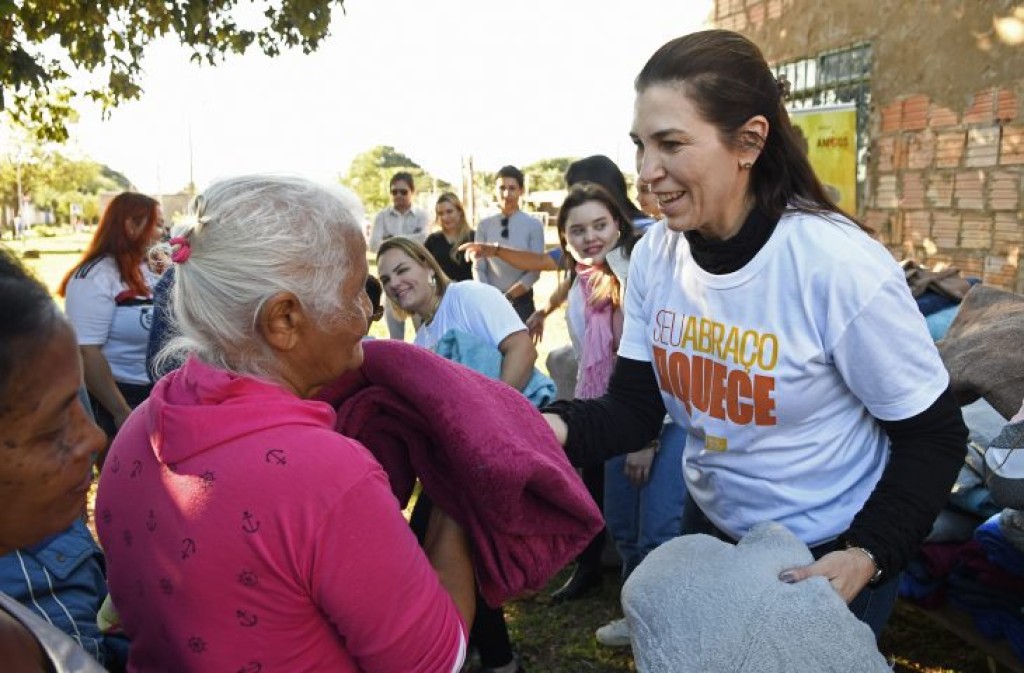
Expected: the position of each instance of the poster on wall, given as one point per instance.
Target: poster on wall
(831, 135)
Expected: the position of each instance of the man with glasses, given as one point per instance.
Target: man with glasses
(513, 228)
(402, 218)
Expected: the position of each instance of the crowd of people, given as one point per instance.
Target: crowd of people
(742, 350)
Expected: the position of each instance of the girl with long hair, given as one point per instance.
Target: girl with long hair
(109, 301)
(452, 231)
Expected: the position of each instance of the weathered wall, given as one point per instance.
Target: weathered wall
(946, 156)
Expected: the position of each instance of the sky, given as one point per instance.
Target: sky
(440, 80)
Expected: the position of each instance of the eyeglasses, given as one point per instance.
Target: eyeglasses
(399, 192)
(504, 227)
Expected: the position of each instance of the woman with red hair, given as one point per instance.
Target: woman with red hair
(109, 301)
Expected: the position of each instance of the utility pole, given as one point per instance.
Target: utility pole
(17, 176)
(472, 191)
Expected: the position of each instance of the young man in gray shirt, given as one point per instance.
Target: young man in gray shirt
(515, 229)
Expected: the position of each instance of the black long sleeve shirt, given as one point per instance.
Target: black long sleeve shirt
(926, 450)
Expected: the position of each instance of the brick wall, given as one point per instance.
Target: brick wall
(946, 187)
(946, 145)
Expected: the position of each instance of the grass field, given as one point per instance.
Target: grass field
(560, 638)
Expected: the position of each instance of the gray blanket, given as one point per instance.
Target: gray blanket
(984, 349)
(700, 605)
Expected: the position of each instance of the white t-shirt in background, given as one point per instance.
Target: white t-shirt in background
(104, 313)
(474, 308)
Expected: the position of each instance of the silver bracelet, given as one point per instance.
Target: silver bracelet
(878, 571)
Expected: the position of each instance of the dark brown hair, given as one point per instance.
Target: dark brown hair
(606, 285)
(728, 80)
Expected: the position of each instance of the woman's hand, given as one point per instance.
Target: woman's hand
(473, 249)
(535, 325)
(847, 570)
(638, 465)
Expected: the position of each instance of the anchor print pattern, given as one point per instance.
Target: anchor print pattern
(251, 667)
(246, 619)
(276, 457)
(208, 478)
(136, 468)
(250, 524)
(248, 578)
(151, 522)
(188, 548)
(197, 644)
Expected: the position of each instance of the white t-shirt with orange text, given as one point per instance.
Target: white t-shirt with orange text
(779, 370)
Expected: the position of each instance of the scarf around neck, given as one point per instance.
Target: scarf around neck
(599, 337)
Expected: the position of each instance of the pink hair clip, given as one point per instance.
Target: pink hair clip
(182, 249)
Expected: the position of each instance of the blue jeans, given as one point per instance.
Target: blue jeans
(640, 519)
(873, 605)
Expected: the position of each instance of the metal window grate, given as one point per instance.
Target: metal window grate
(834, 78)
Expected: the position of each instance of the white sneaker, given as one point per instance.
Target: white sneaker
(614, 634)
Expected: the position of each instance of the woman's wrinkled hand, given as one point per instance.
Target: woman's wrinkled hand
(638, 465)
(847, 570)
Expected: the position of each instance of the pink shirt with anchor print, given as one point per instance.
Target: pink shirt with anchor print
(244, 534)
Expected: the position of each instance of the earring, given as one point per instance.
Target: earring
(747, 165)
(433, 281)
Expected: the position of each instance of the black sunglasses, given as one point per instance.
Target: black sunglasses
(399, 192)
(504, 227)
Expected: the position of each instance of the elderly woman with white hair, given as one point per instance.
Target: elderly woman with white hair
(243, 533)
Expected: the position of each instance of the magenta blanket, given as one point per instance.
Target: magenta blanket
(484, 455)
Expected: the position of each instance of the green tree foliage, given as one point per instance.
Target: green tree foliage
(369, 176)
(108, 38)
(53, 181)
(547, 173)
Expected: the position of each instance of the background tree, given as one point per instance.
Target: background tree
(547, 174)
(108, 38)
(370, 173)
(53, 181)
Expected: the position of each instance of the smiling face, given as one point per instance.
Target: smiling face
(49, 443)
(699, 181)
(590, 232)
(449, 217)
(406, 282)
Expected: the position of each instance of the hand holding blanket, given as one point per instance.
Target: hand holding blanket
(484, 455)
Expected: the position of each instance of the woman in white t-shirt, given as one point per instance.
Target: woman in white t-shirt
(109, 301)
(776, 331)
(416, 285)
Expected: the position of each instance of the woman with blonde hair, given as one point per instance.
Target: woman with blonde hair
(452, 231)
(415, 283)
